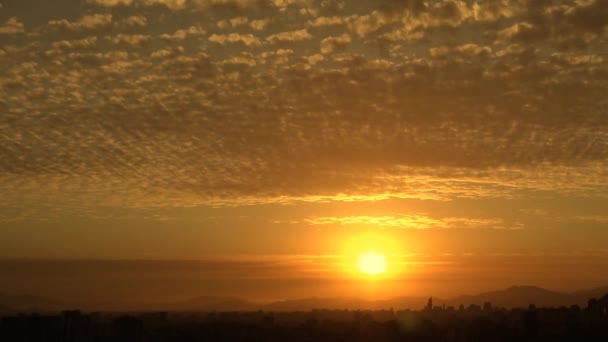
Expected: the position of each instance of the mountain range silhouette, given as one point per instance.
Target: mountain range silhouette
(512, 297)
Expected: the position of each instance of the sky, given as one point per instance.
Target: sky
(267, 142)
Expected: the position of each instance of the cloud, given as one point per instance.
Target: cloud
(587, 16)
(111, 3)
(316, 58)
(430, 101)
(523, 31)
(278, 57)
(171, 4)
(495, 10)
(244, 59)
(164, 53)
(238, 21)
(576, 59)
(465, 49)
(129, 39)
(326, 21)
(283, 4)
(88, 42)
(246, 39)
(135, 21)
(280, 5)
(601, 219)
(290, 36)
(184, 33)
(333, 5)
(12, 26)
(260, 24)
(412, 222)
(365, 24)
(90, 22)
(401, 35)
(330, 44)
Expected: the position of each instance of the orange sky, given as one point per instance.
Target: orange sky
(260, 137)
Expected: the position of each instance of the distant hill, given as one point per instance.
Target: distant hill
(346, 303)
(5, 310)
(512, 297)
(30, 303)
(210, 303)
(584, 295)
(515, 296)
(319, 303)
(518, 296)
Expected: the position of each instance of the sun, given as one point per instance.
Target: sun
(372, 263)
(373, 256)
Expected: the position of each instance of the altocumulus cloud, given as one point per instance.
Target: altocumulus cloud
(343, 102)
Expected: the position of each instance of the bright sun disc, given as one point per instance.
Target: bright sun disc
(372, 263)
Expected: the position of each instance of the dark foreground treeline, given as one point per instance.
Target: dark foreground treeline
(474, 323)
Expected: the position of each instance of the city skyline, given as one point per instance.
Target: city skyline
(303, 148)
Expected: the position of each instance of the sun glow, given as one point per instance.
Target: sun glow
(372, 256)
(372, 263)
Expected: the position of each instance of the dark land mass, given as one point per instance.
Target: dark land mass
(512, 297)
(433, 323)
(24, 303)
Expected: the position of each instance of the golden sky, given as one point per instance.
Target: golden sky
(260, 137)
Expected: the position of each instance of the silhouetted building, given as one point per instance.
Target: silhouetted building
(432, 324)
